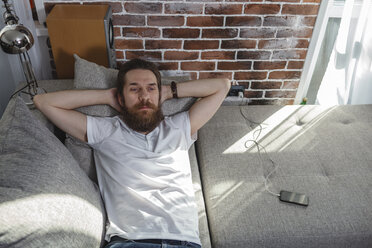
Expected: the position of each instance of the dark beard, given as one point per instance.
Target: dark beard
(144, 121)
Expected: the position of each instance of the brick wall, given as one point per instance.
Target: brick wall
(259, 44)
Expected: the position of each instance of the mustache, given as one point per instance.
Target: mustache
(143, 104)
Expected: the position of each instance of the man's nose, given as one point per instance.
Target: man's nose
(144, 95)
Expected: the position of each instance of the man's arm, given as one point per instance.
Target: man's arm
(59, 107)
(212, 93)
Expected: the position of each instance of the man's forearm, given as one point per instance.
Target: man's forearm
(199, 88)
(72, 99)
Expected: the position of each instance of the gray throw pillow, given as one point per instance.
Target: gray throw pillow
(46, 200)
(89, 75)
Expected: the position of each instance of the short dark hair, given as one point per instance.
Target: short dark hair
(136, 64)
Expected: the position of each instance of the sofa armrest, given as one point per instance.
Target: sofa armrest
(49, 86)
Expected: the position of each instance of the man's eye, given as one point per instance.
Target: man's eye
(133, 89)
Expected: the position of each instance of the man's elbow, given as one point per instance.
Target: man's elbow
(36, 100)
(225, 85)
(39, 101)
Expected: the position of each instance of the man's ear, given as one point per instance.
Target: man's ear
(120, 100)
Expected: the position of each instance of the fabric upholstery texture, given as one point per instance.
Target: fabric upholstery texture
(323, 152)
(203, 222)
(46, 200)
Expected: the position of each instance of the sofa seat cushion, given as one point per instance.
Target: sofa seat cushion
(323, 152)
(46, 200)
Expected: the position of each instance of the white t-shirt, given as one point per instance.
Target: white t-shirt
(145, 180)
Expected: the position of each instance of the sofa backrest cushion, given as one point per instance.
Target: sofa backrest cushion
(46, 200)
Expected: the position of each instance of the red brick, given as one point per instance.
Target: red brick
(181, 33)
(269, 65)
(183, 8)
(119, 54)
(289, 54)
(244, 83)
(220, 33)
(223, 9)
(280, 94)
(266, 84)
(257, 33)
(295, 64)
(199, 1)
(205, 21)
(201, 44)
(300, 43)
(128, 44)
(143, 55)
(300, 9)
(167, 66)
(116, 7)
(143, 7)
(251, 75)
(285, 75)
(278, 21)
(193, 75)
(177, 55)
(287, 1)
(238, 44)
(141, 32)
(283, 43)
(253, 93)
(280, 102)
(295, 32)
(291, 85)
(243, 1)
(311, 1)
(218, 55)
(253, 55)
(262, 9)
(236, 65)
(274, 44)
(198, 66)
(129, 20)
(117, 32)
(243, 21)
(165, 21)
(203, 75)
(308, 21)
(163, 44)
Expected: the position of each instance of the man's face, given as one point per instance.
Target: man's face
(140, 105)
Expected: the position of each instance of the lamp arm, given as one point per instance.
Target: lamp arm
(9, 15)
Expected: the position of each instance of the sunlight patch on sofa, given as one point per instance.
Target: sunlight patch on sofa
(223, 190)
(280, 130)
(46, 213)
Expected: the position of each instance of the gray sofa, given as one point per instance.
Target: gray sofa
(49, 199)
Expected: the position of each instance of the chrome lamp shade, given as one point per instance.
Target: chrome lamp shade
(17, 39)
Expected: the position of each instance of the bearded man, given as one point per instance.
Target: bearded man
(141, 157)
